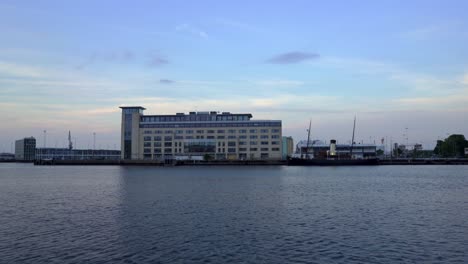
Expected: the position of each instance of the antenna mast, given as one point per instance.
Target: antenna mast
(70, 144)
(352, 140)
(308, 140)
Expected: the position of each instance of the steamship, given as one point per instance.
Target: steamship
(317, 153)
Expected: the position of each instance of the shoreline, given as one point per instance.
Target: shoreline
(383, 162)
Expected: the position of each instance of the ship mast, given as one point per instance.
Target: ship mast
(70, 144)
(352, 140)
(308, 140)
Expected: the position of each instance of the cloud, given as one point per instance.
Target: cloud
(166, 81)
(279, 83)
(465, 79)
(442, 29)
(157, 61)
(13, 69)
(292, 57)
(107, 57)
(191, 30)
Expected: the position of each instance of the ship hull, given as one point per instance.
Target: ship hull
(329, 162)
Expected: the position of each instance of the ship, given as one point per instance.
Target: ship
(331, 155)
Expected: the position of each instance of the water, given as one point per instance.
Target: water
(111, 214)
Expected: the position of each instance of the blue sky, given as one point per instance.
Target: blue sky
(394, 64)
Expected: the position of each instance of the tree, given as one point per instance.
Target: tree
(453, 146)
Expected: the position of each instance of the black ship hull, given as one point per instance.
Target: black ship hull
(332, 162)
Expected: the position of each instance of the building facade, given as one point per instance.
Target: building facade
(207, 135)
(25, 149)
(76, 154)
(287, 147)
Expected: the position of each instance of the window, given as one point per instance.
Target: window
(179, 131)
(158, 131)
(231, 144)
(264, 143)
(200, 131)
(264, 149)
(264, 155)
(231, 131)
(189, 131)
(157, 138)
(157, 150)
(242, 149)
(188, 137)
(178, 137)
(264, 131)
(167, 138)
(253, 149)
(147, 132)
(241, 143)
(147, 138)
(253, 142)
(242, 131)
(243, 137)
(168, 131)
(168, 144)
(275, 136)
(253, 137)
(253, 130)
(220, 131)
(157, 144)
(210, 137)
(231, 137)
(210, 131)
(147, 150)
(275, 142)
(275, 149)
(231, 150)
(167, 150)
(275, 131)
(264, 136)
(147, 144)
(220, 137)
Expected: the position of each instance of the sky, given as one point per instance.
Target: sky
(400, 67)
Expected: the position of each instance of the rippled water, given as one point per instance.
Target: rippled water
(385, 214)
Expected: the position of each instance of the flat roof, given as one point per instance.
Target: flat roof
(132, 107)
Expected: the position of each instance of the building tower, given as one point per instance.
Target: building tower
(130, 135)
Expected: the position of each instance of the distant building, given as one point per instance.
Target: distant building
(7, 156)
(76, 154)
(198, 135)
(25, 149)
(319, 149)
(287, 147)
(418, 147)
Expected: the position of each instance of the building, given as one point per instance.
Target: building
(287, 147)
(196, 135)
(319, 149)
(25, 149)
(7, 156)
(76, 154)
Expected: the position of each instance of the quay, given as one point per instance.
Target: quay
(236, 162)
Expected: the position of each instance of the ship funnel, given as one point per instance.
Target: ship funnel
(332, 147)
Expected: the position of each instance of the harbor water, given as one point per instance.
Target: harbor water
(233, 214)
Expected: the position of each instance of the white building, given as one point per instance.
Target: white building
(207, 135)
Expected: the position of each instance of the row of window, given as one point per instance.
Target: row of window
(220, 150)
(239, 124)
(219, 131)
(170, 138)
(185, 118)
(229, 143)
